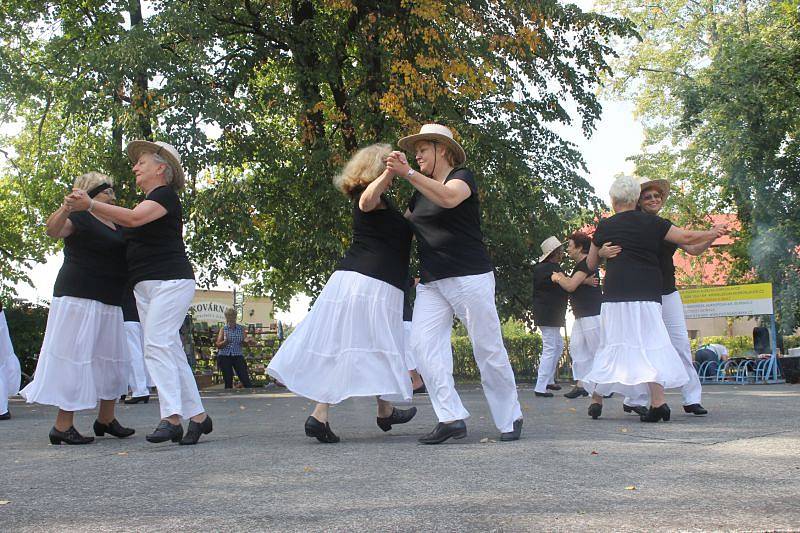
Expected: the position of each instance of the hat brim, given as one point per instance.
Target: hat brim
(548, 254)
(661, 185)
(136, 148)
(407, 144)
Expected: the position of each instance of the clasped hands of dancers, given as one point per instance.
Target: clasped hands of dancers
(353, 341)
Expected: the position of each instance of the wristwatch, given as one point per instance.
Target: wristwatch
(410, 172)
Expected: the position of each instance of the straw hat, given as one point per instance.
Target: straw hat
(549, 245)
(435, 133)
(661, 185)
(165, 150)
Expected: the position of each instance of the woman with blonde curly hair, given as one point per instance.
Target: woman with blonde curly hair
(83, 358)
(351, 342)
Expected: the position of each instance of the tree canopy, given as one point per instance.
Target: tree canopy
(267, 99)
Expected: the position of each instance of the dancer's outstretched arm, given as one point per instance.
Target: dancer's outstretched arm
(143, 213)
(371, 197)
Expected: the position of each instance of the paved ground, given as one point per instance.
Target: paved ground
(737, 469)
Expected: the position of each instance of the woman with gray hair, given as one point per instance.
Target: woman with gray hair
(83, 358)
(163, 283)
(635, 348)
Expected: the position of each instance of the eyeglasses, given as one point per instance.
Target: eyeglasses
(109, 191)
(651, 196)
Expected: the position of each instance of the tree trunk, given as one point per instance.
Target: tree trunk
(139, 94)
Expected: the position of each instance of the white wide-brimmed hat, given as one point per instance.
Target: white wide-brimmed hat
(165, 150)
(549, 245)
(661, 185)
(435, 133)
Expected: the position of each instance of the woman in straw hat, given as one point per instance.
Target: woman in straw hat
(636, 347)
(456, 279)
(585, 297)
(651, 199)
(351, 342)
(10, 373)
(83, 358)
(163, 283)
(549, 314)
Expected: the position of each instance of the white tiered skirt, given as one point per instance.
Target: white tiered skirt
(351, 343)
(10, 374)
(635, 350)
(83, 357)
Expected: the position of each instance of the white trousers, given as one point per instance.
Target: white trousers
(471, 299)
(10, 374)
(552, 348)
(138, 378)
(675, 322)
(162, 306)
(584, 342)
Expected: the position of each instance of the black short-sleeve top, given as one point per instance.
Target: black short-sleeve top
(156, 250)
(549, 299)
(381, 244)
(94, 261)
(449, 241)
(635, 274)
(586, 300)
(668, 267)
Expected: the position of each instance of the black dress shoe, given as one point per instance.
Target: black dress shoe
(70, 436)
(576, 392)
(610, 395)
(137, 399)
(442, 432)
(638, 409)
(695, 409)
(398, 416)
(321, 432)
(514, 434)
(6, 415)
(113, 428)
(543, 394)
(166, 431)
(553, 386)
(654, 414)
(595, 410)
(196, 429)
(421, 389)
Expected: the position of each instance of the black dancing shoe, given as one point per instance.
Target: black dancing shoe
(695, 409)
(166, 431)
(654, 414)
(514, 434)
(553, 386)
(321, 432)
(6, 415)
(398, 416)
(137, 399)
(421, 389)
(70, 436)
(576, 392)
(638, 409)
(113, 428)
(442, 432)
(595, 410)
(196, 429)
(543, 394)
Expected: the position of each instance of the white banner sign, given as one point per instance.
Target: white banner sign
(730, 300)
(209, 312)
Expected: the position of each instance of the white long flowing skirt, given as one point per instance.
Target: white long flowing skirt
(349, 344)
(10, 374)
(83, 357)
(411, 363)
(584, 342)
(635, 350)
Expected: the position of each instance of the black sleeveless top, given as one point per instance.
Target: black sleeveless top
(94, 261)
(381, 245)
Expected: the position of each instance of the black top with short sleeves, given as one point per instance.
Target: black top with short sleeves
(668, 266)
(156, 250)
(381, 244)
(449, 241)
(94, 261)
(586, 299)
(635, 274)
(549, 299)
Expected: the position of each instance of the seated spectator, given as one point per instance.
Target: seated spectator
(711, 352)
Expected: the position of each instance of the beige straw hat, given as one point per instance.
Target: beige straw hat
(435, 133)
(549, 245)
(661, 185)
(165, 150)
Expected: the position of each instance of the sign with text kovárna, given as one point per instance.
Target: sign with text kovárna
(728, 300)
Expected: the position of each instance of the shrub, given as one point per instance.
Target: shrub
(737, 346)
(26, 325)
(523, 352)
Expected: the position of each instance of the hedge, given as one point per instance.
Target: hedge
(523, 351)
(742, 345)
(26, 325)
